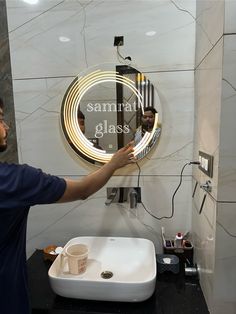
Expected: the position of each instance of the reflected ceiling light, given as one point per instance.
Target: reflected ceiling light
(64, 39)
(70, 107)
(150, 33)
(31, 1)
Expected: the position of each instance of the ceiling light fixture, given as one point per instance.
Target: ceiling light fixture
(151, 33)
(64, 39)
(31, 1)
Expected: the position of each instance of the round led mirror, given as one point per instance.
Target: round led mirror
(107, 107)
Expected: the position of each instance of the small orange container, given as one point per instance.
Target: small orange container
(47, 255)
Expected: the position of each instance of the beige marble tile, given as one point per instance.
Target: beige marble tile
(35, 34)
(209, 26)
(208, 89)
(203, 229)
(225, 275)
(230, 23)
(20, 12)
(224, 307)
(227, 152)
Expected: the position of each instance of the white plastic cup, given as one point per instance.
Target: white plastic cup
(179, 240)
(77, 256)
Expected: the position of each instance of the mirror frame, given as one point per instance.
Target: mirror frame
(70, 106)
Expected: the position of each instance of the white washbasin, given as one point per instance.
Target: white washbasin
(132, 262)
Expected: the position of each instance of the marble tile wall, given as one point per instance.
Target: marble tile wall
(227, 150)
(225, 259)
(209, 26)
(43, 66)
(203, 229)
(6, 92)
(214, 134)
(230, 22)
(206, 139)
(225, 228)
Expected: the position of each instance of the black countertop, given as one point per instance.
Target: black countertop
(174, 294)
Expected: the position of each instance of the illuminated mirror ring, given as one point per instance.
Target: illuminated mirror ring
(70, 107)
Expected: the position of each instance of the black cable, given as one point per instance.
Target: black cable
(173, 196)
(119, 55)
(158, 218)
(229, 233)
(118, 52)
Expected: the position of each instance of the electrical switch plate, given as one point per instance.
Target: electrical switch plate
(206, 163)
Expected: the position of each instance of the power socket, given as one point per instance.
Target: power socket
(118, 41)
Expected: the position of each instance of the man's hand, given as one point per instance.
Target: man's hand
(123, 156)
(81, 189)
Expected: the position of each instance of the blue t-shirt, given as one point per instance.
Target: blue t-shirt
(21, 186)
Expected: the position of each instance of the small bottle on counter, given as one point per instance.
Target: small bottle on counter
(179, 240)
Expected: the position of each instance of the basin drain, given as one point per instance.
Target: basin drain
(106, 274)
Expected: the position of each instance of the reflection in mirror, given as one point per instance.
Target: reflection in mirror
(147, 125)
(113, 112)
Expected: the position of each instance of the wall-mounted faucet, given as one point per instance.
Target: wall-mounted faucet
(133, 198)
(124, 194)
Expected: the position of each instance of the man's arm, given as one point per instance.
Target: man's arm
(81, 189)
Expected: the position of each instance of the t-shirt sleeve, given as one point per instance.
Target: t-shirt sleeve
(31, 186)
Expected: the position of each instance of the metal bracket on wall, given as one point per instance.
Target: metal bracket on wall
(194, 190)
(206, 186)
(203, 201)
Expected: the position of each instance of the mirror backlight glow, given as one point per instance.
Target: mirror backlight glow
(70, 109)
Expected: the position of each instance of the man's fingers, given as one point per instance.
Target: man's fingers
(130, 144)
(132, 157)
(130, 149)
(127, 149)
(132, 160)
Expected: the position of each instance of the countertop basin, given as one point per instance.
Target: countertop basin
(130, 261)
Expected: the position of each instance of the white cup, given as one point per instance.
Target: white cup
(77, 256)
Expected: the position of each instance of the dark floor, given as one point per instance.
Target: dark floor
(174, 294)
